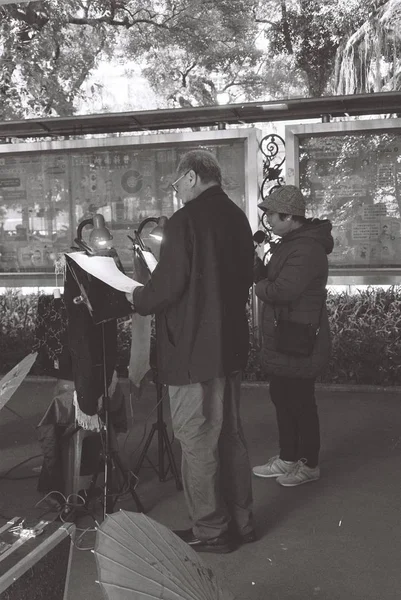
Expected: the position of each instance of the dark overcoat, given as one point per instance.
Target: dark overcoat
(294, 288)
(199, 291)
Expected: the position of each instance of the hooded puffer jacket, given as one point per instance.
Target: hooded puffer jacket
(294, 288)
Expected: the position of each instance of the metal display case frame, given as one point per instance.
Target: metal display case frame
(347, 275)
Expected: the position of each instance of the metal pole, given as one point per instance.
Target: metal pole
(160, 426)
(108, 466)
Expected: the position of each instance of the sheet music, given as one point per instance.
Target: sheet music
(150, 259)
(105, 269)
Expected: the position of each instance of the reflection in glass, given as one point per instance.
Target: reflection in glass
(354, 180)
(45, 195)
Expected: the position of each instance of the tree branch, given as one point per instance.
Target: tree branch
(185, 74)
(273, 24)
(286, 28)
(37, 20)
(92, 22)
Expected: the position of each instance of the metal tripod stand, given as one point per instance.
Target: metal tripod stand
(159, 427)
(109, 456)
(163, 443)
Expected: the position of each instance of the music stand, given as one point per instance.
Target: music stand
(159, 426)
(118, 306)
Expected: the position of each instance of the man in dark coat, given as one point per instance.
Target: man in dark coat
(199, 292)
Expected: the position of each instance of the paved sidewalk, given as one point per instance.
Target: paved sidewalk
(335, 539)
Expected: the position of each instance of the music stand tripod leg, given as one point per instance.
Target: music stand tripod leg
(110, 454)
(171, 459)
(144, 452)
(164, 444)
(127, 481)
(108, 500)
(112, 461)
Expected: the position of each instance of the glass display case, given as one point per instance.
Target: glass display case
(47, 189)
(351, 174)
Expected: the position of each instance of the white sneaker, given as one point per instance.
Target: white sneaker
(299, 474)
(274, 468)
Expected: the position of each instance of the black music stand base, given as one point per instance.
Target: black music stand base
(111, 460)
(109, 456)
(164, 445)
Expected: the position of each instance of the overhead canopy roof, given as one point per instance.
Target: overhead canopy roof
(204, 116)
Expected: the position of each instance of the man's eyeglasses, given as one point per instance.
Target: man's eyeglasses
(174, 184)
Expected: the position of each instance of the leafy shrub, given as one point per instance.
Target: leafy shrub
(366, 333)
(17, 327)
(365, 326)
(366, 338)
(17, 332)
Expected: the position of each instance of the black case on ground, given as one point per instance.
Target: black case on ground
(39, 568)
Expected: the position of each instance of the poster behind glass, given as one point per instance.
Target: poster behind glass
(354, 180)
(44, 196)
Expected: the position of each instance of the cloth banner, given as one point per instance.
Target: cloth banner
(140, 348)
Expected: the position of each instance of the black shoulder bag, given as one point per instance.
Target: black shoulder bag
(295, 339)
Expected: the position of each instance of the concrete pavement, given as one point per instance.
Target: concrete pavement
(335, 539)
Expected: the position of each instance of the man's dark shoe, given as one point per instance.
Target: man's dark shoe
(242, 538)
(248, 538)
(220, 545)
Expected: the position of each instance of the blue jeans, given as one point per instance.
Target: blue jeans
(216, 472)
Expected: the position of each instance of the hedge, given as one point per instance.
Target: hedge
(365, 326)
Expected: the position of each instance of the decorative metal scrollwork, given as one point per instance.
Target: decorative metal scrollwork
(272, 147)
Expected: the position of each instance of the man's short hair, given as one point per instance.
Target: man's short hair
(204, 163)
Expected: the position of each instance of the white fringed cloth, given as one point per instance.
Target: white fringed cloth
(93, 422)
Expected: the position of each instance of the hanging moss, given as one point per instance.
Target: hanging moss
(370, 60)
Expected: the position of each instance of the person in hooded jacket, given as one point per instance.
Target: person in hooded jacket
(292, 286)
